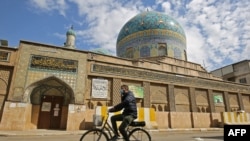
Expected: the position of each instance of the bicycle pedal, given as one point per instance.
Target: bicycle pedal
(116, 139)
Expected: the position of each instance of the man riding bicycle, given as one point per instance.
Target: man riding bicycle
(128, 104)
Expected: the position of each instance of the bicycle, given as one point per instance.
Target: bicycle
(135, 132)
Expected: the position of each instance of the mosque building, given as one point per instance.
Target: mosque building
(52, 87)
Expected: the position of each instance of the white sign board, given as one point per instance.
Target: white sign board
(46, 106)
(99, 88)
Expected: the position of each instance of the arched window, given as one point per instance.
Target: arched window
(177, 53)
(154, 107)
(162, 50)
(160, 108)
(99, 103)
(129, 52)
(145, 51)
(90, 105)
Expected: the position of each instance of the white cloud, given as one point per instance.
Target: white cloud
(223, 29)
(50, 5)
(105, 19)
(217, 32)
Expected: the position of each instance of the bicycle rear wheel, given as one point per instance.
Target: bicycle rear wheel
(139, 134)
(94, 135)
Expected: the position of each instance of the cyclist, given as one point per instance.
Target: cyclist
(128, 104)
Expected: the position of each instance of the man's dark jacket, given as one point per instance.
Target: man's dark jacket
(128, 103)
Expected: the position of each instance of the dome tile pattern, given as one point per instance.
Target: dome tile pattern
(149, 34)
(150, 20)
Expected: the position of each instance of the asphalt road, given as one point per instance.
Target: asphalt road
(156, 136)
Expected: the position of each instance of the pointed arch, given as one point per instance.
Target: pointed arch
(3, 84)
(154, 107)
(145, 51)
(129, 52)
(181, 98)
(201, 99)
(162, 49)
(48, 86)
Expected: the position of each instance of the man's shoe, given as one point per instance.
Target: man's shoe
(114, 138)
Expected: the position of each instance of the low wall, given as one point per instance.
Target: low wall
(167, 120)
(201, 120)
(163, 120)
(235, 118)
(16, 116)
(180, 120)
(144, 114)
(216, 119)
(79, 118)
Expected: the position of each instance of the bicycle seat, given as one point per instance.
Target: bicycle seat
(137, 123)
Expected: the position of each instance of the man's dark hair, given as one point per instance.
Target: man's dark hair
(125, 86)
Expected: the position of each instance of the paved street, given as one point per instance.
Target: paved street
(156, 136)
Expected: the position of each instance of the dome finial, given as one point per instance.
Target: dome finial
(71, 27)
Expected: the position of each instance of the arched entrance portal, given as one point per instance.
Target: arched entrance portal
(50, 98)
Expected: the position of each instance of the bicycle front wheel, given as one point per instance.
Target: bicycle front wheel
(139, 134)
(94, 135)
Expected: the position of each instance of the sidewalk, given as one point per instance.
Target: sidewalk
(40, 132)
(45, 132)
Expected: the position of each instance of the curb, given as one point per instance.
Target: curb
(192, 129)
(58, 132)
(40, 133)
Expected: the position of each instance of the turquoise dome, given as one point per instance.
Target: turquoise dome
(151, 33)
(71, 32)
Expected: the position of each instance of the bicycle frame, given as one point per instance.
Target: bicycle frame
(135, 131)
(106, 126)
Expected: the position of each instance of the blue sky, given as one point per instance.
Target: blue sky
(217, 32)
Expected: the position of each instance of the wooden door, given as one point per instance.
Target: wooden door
(56, 112)
(44, 114)
(50, 112)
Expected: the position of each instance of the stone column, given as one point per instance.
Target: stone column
(171, 98)
(240, 101)
(146, 99)
(192, 99)
(211, 101)
(226, 101)
(115, 96)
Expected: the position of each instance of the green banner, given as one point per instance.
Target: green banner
(138, 91)
(218, 99)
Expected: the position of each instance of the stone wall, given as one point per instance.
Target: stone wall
(17, 116)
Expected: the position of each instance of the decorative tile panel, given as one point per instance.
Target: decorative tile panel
(167, 77)
(116, 91)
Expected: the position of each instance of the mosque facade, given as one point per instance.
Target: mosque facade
(51, 87)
